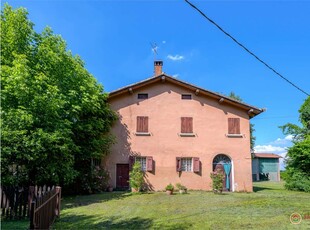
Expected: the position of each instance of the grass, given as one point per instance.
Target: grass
(269, 207)
(15, 224)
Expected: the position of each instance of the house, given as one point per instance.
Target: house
(265, 166)
(180, 133)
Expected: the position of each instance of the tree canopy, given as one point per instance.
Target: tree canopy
(298, 156)
(54, 115)
(300, 132)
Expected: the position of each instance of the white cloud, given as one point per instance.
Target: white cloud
(175, 75)
(286, 141)
(281, 160)
(176, 57)
(289, 137)
(164, 42)
(269, 149)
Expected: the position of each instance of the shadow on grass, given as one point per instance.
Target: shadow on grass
(172, 225)
(94, 222)
(83, 200)
(260, 188)
(222, 193)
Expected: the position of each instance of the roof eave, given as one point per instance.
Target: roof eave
(252, 110)
(134, 86)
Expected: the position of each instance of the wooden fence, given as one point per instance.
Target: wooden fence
(45, 209)
(40, 204)
(14, 202)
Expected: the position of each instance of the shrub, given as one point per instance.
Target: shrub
(217, 180)
(283, 175)
(297, 181)
(170, 187)
(298, 164)
(136, 177)
(180, 186)
(95, 181)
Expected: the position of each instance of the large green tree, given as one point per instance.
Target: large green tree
(252, 130)
(298, 156)
(300, 132)
(54, 115)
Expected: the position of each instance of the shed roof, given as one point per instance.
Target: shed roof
(252, 110)
(266, 155)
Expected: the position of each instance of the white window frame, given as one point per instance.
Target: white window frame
(142, 161)
(186, 164)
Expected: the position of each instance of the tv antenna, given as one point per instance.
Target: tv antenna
(154, 49)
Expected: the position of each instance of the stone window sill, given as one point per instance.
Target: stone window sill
(187, 134)
(234, 135)
(143, 134)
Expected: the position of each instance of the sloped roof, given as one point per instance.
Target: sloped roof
(266, 155)
(252, 110)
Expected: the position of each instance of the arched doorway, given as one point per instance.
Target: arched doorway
(223, 162)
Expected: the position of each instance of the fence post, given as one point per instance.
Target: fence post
(32, 216)
(30, 198)
(1, 196)
(58, 191)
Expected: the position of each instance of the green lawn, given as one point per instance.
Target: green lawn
(269, 207)
(15, 225)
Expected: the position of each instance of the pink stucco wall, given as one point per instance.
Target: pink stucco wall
(164, 107)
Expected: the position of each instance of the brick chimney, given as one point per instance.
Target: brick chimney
(158, 67)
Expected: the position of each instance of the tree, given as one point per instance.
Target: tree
(300, 133)
(252, 130)
(298, 156)
(136, 177)
(54, 115)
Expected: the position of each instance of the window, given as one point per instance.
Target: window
(233, 125)
(188, 164)
(186, 97)
(146, 162)
(142, 124)
(143, 96)
(186, 125)
(142, 161)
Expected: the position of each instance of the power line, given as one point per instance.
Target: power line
(246, 49)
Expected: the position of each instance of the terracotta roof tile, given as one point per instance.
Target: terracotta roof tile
(266, 155)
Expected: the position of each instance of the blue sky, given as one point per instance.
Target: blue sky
(113, 38)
